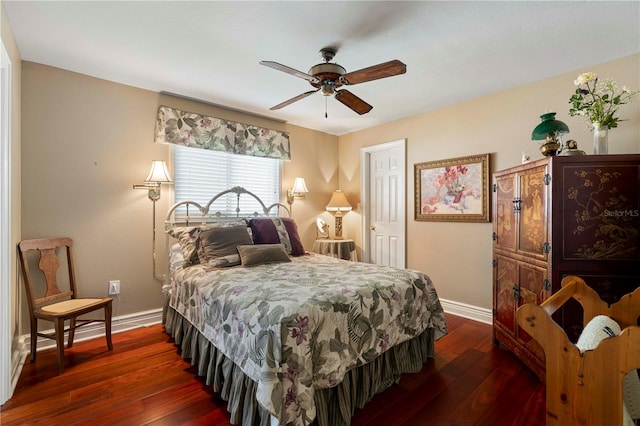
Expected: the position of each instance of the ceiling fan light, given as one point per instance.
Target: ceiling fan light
(328, 88)
(329, 77)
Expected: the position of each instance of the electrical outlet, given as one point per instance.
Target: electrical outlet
(114, 287)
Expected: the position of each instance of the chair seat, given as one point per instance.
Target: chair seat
(71, 305)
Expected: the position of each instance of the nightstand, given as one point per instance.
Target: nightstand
(342, 249)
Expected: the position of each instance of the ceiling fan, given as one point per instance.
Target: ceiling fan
(329, 76)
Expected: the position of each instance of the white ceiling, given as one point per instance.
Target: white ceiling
(209, 50)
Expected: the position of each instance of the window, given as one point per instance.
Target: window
(199, 174)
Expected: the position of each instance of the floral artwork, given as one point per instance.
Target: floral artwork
(453, 190)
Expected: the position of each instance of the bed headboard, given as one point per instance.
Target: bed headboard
(207, 213)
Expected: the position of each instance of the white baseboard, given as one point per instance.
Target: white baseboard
(471, 312)
(92, 331)
(154, 316)
(18, 356)
(118, 325)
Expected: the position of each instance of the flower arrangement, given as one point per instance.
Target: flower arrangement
(597, 101)
(452, 179)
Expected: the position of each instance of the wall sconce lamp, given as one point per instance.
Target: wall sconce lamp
(338, 204)
(550, 130)
(157, 176)
(298, 191)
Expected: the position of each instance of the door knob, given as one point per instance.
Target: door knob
(372, 227)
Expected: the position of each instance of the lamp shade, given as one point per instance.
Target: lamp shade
(158, 173)
(299, 186)
(338, 202)
(549, 125)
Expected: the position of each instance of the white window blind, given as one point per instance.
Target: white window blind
(199, 174)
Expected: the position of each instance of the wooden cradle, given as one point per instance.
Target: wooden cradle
(585, 389)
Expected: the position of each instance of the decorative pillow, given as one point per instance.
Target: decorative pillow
(225, 261)
(276, 230)
(186, 239)
(262, 253)
(215, 243)
(602, 327)
(176, 259)
(631, 389)
(186, 236)
(599, 328)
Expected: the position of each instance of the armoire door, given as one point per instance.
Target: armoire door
(532, 203)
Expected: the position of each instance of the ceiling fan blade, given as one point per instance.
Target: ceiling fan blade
(289, 70)
(292, 100)
(353, 102)
(386, 69)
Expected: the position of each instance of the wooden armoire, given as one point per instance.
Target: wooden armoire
(558, 216)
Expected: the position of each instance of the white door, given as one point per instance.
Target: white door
(6, 297)
(384, 186)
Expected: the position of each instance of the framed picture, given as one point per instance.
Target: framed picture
(322, 229)
(453, 190)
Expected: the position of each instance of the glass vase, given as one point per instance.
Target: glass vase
(600, 139)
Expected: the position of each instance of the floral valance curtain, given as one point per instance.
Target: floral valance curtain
(199, 131)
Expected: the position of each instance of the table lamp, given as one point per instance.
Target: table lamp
(550, 130)
(338, 205)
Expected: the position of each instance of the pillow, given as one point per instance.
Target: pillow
(225, 261)
(262, 253)
(215, 243)
(186, 236)
(186, 239)
(631, 390)
(602, 327)
(176, 259)
(599, 328)
(281, 230)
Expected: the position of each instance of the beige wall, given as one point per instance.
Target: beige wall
(457, 256)
(86, 141)
(10, 45)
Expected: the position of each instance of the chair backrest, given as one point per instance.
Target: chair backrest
(49, 264)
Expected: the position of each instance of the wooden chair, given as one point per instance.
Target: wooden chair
(55, 305)
(585, 388)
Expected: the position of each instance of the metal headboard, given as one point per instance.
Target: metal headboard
(205, 215)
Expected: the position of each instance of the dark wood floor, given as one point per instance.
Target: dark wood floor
(144, 381)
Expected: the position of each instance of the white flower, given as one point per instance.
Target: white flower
(585, 78)
(598, 101)
(610, 85)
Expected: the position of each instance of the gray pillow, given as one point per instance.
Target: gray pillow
(225, 261)
(187, 235)
(213, 244)
(257, 254)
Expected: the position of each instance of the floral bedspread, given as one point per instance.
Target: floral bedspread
(299, 326)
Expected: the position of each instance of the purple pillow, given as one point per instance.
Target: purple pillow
(280, 230)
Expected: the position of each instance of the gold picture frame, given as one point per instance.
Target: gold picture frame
(453, 190)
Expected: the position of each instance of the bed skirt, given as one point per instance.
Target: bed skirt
(334, 406)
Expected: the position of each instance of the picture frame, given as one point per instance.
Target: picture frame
(322, 229)
(453, 190)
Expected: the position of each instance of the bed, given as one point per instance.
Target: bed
(284, 336)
